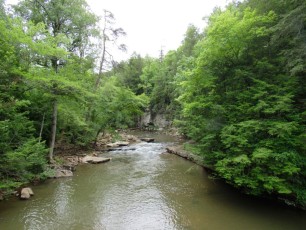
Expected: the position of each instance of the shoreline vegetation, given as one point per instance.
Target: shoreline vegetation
(69, 157)
(235, 89)
(180, 150)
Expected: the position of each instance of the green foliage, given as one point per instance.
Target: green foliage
(237, 90)
(242, 98)
(118, 107)
(29, 159)
(29, 82)
(129, 73)
(26, 163)
(158, 78)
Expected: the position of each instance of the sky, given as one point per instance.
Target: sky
(152, 25)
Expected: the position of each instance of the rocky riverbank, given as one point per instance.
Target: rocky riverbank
(68, 157)
(106, 142)
(180, 151)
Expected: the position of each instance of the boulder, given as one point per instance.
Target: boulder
(63, 173)
(117, 144)
(147, 139)
(112, 145)
(98, 160)
(122, 143)
(26, 193)
(94, 160)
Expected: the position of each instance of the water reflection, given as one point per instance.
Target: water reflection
(144, 189)
(136, 202)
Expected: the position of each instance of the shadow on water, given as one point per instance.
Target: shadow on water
(144, 189)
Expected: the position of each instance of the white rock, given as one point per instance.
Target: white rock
(122, 143)
(26, 193)
(94, 160)
(112, 145)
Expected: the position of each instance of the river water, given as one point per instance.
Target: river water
(144, 189)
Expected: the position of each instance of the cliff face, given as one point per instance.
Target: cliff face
(159, 120)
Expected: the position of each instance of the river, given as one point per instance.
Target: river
(144, 189)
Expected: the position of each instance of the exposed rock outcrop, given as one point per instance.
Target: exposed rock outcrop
(160, 120)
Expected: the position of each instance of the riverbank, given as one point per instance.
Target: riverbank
(144, 188)
(69, 157)
(180, 151)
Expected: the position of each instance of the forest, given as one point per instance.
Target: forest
(235, 89)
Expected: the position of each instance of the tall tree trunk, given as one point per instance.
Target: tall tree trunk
(101, 61)
(98, 80)
(53, 130)
(42, 127)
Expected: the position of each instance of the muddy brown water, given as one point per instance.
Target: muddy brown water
(144, 189)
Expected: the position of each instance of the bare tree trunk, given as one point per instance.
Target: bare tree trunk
(98, 80)
(109, 34)
(101, 61)
(53, 130)
(42, 127)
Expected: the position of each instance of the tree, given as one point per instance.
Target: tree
(192, 36)
(109, 35)
(69, 24)
(241, 103)
(129, 72)
(22, 156)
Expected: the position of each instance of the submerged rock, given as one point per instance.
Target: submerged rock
(26, 193)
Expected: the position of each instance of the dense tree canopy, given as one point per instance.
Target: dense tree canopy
(244, 101)
(237, 89)
(48, 87)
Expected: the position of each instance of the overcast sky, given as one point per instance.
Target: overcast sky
(152, 24)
